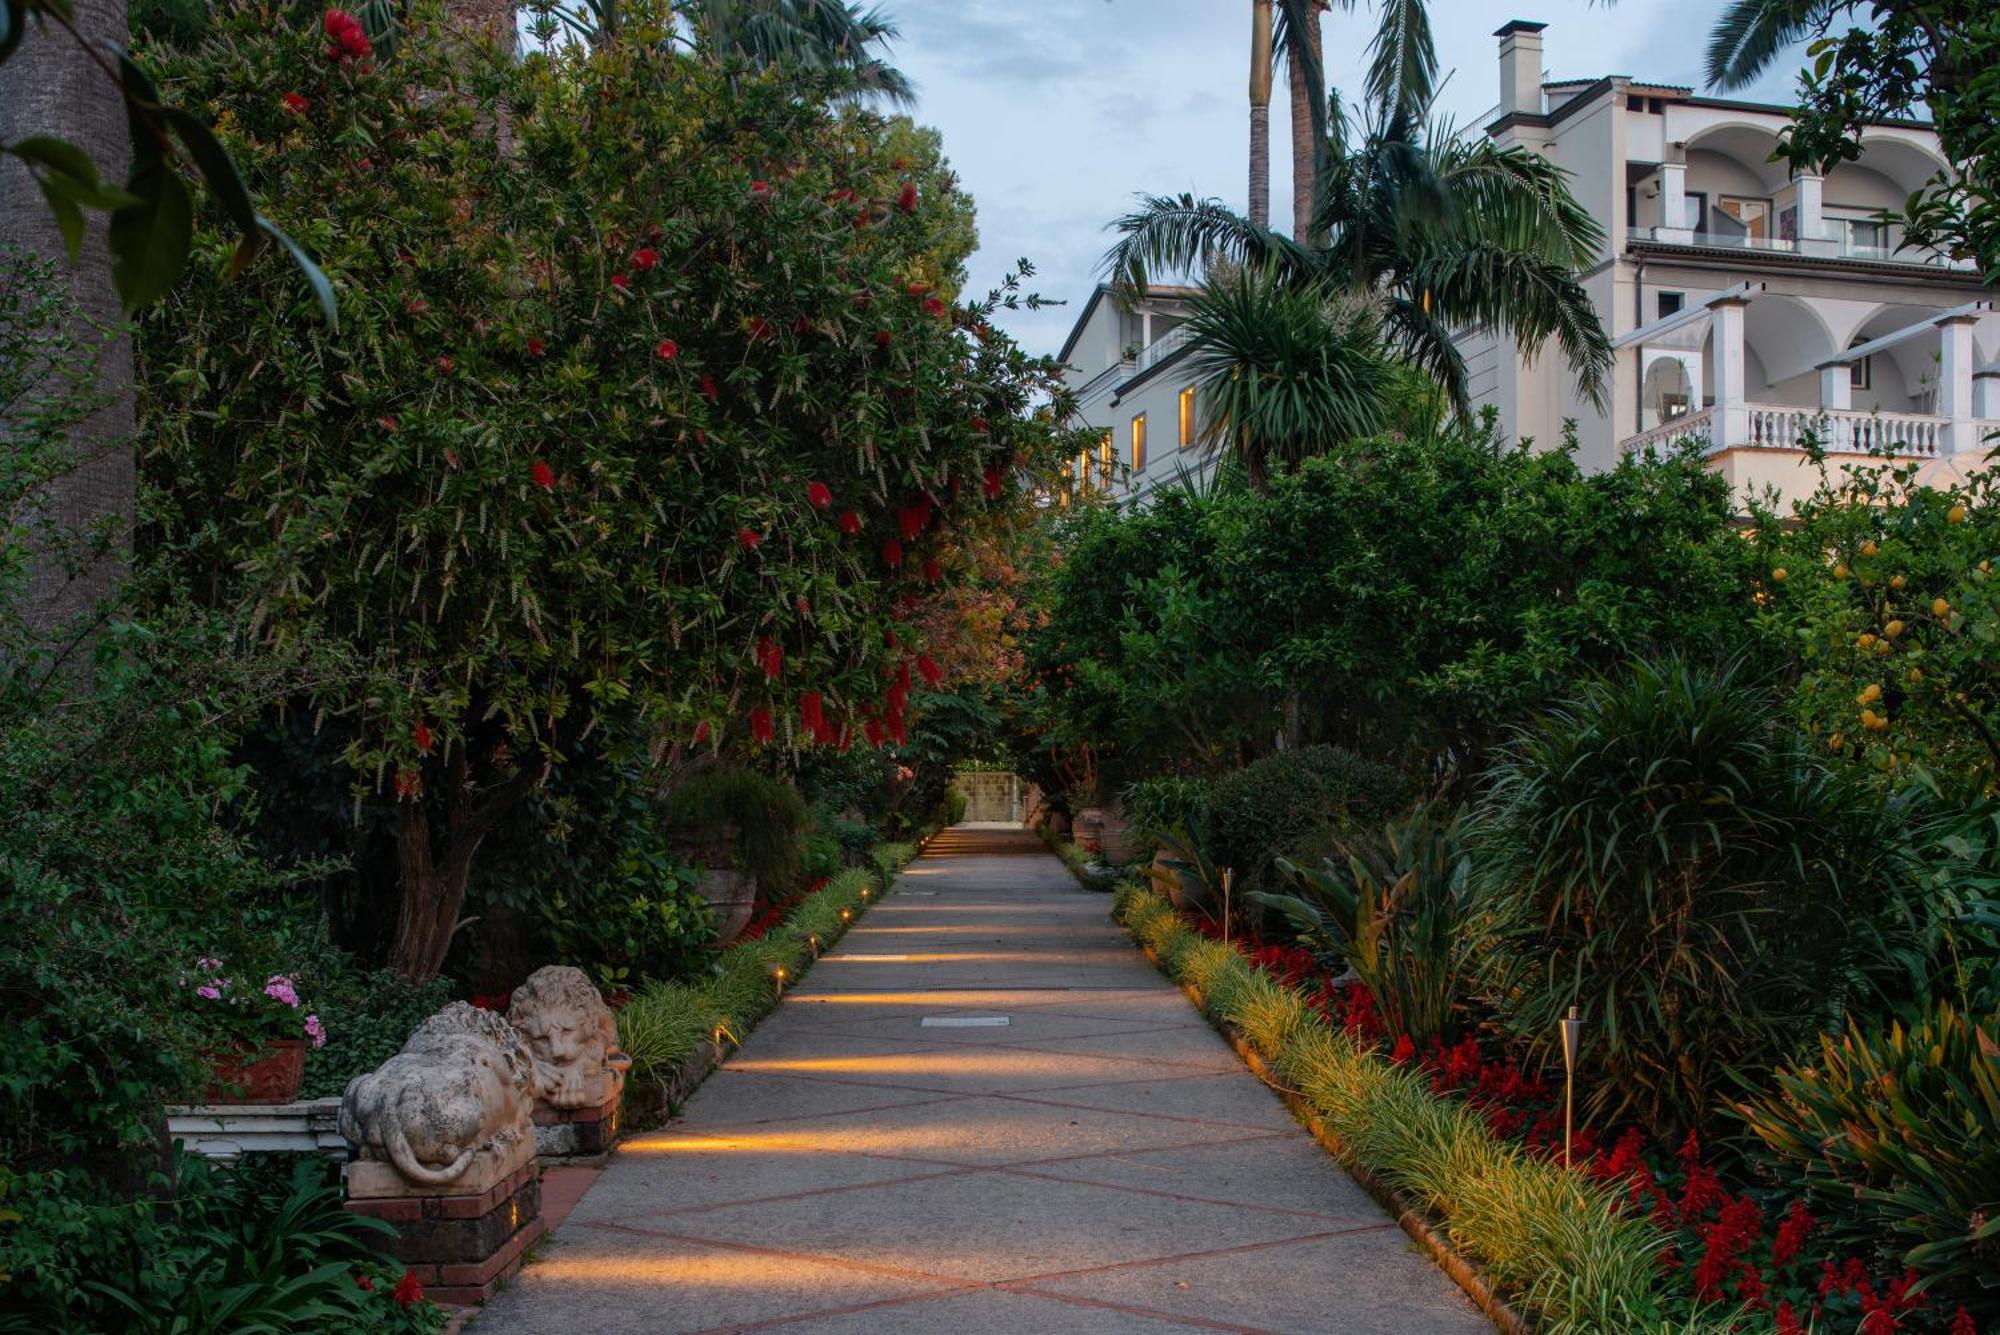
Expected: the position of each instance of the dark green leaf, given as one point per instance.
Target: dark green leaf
(150, 239)
(69, 218)
(217, 169)
(322, 289)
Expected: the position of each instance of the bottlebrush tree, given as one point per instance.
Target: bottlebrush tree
(646, 411)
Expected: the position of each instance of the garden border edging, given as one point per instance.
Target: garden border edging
(1409, 1218)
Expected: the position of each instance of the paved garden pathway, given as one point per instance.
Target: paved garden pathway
(985, 1112)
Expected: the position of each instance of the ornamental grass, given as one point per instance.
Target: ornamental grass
(1555, 1242)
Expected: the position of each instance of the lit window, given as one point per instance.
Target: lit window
(1187, 417)
(1139, 443)
(1106, 460)
(1083, 471)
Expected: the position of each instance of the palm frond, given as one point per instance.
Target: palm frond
(1403, 66)
(1424, 341)
(1179, 234)
(1517, 198)
(1525, 294)
(1750, 34)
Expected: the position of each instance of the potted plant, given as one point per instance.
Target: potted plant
(262, 1032)
(743, 829)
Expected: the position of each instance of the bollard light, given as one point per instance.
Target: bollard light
(1228, 886)
(1572, 1041)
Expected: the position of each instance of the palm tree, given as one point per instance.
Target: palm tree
(1297, 40)
(1283, 369)
(1750, 34)
(817, 34)
(1438, 230)
(52, 84)
(1260, 112)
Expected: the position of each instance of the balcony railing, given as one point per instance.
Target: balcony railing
(1839, 246)
(1837, 430)
(1163, 347)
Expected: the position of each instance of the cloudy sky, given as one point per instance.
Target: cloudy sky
(1056, 112)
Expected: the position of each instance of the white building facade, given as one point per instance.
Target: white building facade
(1128, 364)
(1748, 304)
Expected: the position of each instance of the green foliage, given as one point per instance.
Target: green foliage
(368, 1015)
(1896, 1131)
(1283, 371)
(1284, 804)
(1891, 610)
(765, 817)
(1163, 803)
(1563, 1247)
(248, 1247)
(1660, 853)
(1395, 908)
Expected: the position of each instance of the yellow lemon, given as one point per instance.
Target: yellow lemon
(1897, 581)
(1873, 721)
(1869, 548)
(1881, 647)
(1940, 608)
(1869, 694)
(1955, 515)
(1893, 629)
(1778, 575)
(1840, 572)
(1866, 641)
(1834, 741)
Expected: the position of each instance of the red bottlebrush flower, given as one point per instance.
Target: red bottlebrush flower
(933, 572)
(748, 538)
(666, 349)
(812, 712)
(419, 306)
(862, 218)
(420, 733)
(363, 1282)
(387, 424)
(296, 104)
(760, 328)
(645, 259)
(1792, 1234)
(892, 553)
(409, 785)
(927, 667)
(906, 198)
(349, 41)
(1962, 1323)
(979, 424)
(701, 732)
(542, 475)
(761, 727)
(900, 164)
(917, 289)
(802, 326)
(770, 657)
(871, 732)
(995, 484)
(933, 305)
(445, 365)
(883, 338)
(982, 331)
(850, 522)
(408, 1290)
(709, 390)
(819, 495)
(760, 190)
(909, 521)
(621, 281)
(536, 347)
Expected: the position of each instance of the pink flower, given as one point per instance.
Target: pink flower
(209, 990)
(315, 1031)
(279, 988)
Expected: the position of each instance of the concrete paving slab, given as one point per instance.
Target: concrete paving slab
(1101, 1164)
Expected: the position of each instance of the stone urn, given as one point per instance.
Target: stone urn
(273, 1073)
(729, 890)
(1116, 838)
(1088, 828)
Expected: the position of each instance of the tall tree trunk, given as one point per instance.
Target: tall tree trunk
(1260, 112)
(432, 872)
(1305, 146)
(51, 86)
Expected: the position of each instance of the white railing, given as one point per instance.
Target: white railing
(1838, 246)
(1844, 431)
(1163, 347)
(1697, 425)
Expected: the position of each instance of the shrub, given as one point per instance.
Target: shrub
(1160, 805)
(368, 1013)
(646, 919)
(1662, 854)
(251, 1245)
(1896, 1132)
(1280, 805)
(767, 815)
(1396, 910)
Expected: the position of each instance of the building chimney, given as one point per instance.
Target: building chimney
(1521, 67)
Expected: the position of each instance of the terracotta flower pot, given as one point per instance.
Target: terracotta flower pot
(273, 1073)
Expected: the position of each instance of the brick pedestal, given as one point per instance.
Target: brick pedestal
(573, 1133)
(462, 1248)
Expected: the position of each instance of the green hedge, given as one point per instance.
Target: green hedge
(664, 1025)
(1553, 1241)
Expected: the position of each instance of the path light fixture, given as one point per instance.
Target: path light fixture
(1572, 1041)
(813, 940)
(1228, 888)
(847, 915)
(778, 976)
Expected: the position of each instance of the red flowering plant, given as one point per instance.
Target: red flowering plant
(590, 522)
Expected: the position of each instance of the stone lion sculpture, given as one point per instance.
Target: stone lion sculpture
(454, 1107)
(573, 1037)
